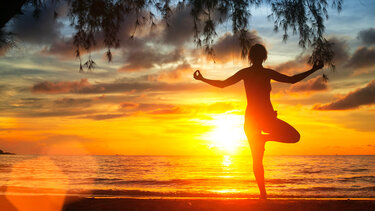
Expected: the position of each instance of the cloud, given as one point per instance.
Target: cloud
(3, 88)
(145, 58)
(143, 107)
(20, 105)
(167, 111)
(65, 49)
(62, 48)
(60, 87)
(300, 62)
(228, 47)
(340, 49)
(9, 71)
(6, 41)
(174, 74)
(131, 108)
(44, 29)
(73, 102)
(129, 105)
(154, 109)
(220, 107)
(180, 29)
(52, 107)
(83, 86)
(141, 86)
(353, 100)
(313, 85)
(363, 57)
(4, 50)
(367, 36)
(142, 51)
(103, 116)
(178, 32)
(52, 113)
(341, 55)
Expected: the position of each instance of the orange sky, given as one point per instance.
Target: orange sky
(146, 102)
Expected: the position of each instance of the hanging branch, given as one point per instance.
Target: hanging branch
(304, 18)
(322, 53)
(90, 64)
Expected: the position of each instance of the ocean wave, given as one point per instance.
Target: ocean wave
(334, 190)
(356, 170)
(287, 181)
(365, 178)
(368, 188)
(306, 171)
(184, 182)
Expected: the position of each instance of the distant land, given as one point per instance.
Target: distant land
(6, 153)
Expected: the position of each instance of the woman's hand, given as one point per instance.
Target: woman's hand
(197, 75)
(318, 65)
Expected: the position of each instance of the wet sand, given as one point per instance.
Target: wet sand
(80, 203)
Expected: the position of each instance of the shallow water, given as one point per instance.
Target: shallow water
(187, 176)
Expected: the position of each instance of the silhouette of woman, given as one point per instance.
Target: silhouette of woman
(260, 116)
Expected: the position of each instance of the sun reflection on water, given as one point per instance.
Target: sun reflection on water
(227, 160)
(226, 191)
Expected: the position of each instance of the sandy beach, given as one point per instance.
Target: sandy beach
(80, 203)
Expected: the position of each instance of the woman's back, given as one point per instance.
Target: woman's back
(258, 87)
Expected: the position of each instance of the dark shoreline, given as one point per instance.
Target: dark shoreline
(220, 204)
(47, 202)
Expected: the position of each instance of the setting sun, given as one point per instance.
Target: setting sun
(227, 134)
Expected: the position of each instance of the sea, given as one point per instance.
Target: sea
(336, 176)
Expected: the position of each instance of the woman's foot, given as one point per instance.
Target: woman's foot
(263, 197)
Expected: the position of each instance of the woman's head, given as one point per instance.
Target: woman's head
(257, 54)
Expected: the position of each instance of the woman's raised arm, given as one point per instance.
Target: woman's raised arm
(219, 83)
(295, 78)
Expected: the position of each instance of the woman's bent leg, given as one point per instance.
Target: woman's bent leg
(280, 131)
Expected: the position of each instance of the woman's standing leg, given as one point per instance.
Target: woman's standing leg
(257, 143)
